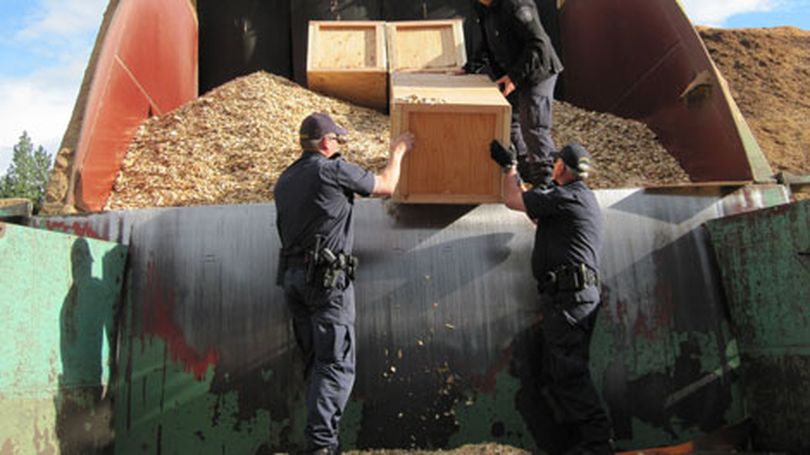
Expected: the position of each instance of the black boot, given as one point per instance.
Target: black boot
(330, 450)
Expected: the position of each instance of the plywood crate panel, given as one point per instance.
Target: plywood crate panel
(426, 46)
(454, 119)
(347, 60)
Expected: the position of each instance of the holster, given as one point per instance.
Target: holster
(569, 278)
(326, 268)
(336, 266)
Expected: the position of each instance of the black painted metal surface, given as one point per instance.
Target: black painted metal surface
(445, 319)
(242, 36)
(239, 37)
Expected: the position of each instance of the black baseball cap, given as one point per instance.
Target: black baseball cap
(318, 125)
(574, 156)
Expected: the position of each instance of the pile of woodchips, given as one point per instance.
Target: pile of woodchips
(230, 145)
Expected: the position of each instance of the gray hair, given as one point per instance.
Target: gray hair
(582, 171)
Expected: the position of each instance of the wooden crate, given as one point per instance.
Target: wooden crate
(347, 60)
(426, 46)
(454, 119)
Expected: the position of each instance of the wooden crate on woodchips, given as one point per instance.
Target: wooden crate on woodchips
(347, 60)
(454, 119)
(425, 46)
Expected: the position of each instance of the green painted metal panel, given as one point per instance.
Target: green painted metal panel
(163, 408)
(478, 413)
(15, 208)
(58, 301)
(207, 361)
(764, 259)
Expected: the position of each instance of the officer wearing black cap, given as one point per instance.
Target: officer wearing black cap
(517, 52)
(314, 202)
(565, 263)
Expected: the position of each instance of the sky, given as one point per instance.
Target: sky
(45, 46)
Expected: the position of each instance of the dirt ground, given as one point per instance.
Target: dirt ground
(768, 72)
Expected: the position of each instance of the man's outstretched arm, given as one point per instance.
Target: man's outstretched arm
(512, 192)
(506, 158)
(386, 181)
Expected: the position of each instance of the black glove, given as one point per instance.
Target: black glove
(538, 174)
(475, 67)
(505, 158)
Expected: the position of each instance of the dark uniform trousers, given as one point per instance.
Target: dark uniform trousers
(566, 381)
(530, 132)
(323, 321)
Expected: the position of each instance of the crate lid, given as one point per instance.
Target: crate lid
(346, 45)
(434, 45)
(442, 88)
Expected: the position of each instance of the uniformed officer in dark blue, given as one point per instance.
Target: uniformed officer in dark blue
(314, 202)
(565, 263)
(517, 52)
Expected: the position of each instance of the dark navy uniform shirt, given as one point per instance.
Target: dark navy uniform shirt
(315, 195)
(514, 42)
(569, 230)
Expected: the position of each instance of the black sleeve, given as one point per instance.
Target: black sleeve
(479, 64)
(479, 61)
(542, 203)
(354, 178)
(527, 26)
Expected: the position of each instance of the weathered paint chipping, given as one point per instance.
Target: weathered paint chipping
(445, 305)
(15, 208)
(490, 416)
(58, 298)
(163, 408)
(765, 267)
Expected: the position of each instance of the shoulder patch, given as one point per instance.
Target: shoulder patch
(524, 14)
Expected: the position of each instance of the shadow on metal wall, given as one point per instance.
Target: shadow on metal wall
(59, 301)
(765, 263)
(445, 305)
(690, 374)
(208, 326)
(87, 345)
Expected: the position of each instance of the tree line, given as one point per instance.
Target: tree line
(27, 174)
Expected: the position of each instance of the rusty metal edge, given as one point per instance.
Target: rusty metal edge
(15, 207)
(57, 201)
(760, 168)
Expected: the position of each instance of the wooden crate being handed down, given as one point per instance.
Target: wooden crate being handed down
(454, 119)
(426, 46)
(347, 60)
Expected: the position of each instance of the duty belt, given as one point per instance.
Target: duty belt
(569, 278)
(333, 266)
(322, 265)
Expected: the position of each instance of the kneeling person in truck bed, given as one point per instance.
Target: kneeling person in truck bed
(314, 203)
